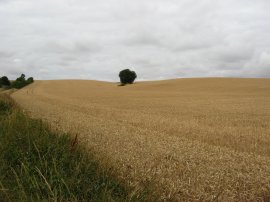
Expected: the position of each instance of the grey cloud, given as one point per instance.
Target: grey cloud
(143, 40)
(5, 54)
(265, 73)
(77, 47)
(159, 39)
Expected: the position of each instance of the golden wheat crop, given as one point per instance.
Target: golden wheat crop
(183, 139)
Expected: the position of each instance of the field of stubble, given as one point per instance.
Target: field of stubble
(185, 139)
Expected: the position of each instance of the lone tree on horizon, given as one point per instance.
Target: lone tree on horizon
(127, 76)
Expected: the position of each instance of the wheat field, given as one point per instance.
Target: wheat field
(204, 139)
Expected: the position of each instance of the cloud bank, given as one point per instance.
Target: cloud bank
(91, 39)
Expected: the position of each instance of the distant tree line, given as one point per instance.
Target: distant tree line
(126, 77)
(20, 82)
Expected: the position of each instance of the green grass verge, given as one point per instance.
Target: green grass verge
(37, 164)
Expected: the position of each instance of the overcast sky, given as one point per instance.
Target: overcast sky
(159, 39)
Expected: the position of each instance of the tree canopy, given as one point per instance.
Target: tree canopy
(127, 76)
(4, 81)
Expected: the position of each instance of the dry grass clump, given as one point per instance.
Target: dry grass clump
(186, 139)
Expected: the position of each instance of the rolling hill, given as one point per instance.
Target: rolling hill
(185, 139)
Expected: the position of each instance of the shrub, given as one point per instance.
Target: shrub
(127, 76)
(18, 84)
(30, 80)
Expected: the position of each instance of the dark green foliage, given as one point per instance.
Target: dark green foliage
(21, 82)
(30, 80)
(6, 105)
(4, 81)
(37, 164)
(127, 76)
(21, 78)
